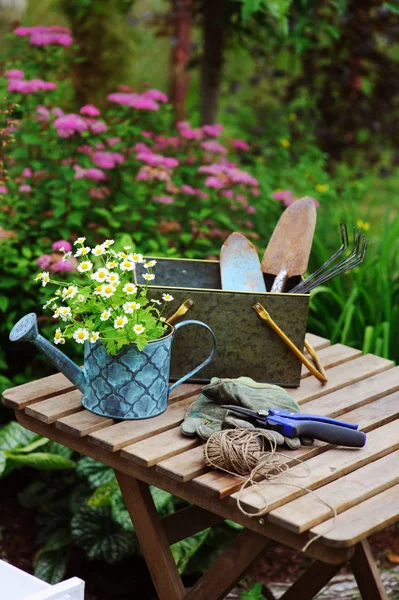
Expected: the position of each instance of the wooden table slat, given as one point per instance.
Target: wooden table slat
(21, 396)
(152, 450)
(185, 466)
(82, 423)
(56, 407)
(362, 520)
(308, 511)
(333, 356)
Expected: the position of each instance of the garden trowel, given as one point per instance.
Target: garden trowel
(240, 269)
(287, 253)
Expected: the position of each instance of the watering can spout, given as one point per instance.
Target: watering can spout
(26, 330)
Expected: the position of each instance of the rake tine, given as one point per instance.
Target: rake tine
(345, 266)
(344, 238)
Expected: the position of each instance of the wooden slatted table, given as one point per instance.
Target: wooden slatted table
(361, 484)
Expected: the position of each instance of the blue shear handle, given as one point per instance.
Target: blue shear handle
(332, 434)
(280, 412)
(205, 362)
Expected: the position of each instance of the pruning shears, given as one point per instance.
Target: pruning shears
(291, 424)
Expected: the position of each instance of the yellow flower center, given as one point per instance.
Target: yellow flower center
(81, 335)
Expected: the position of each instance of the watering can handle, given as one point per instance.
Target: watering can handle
(205, 362)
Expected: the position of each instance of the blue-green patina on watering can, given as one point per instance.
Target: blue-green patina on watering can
(131, 384)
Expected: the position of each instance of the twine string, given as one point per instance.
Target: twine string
(251, 454)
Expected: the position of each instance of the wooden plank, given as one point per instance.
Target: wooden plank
(83, 423)
(184, 466)
(333, 356)
(185, 492)
(123, 434)
(362, 520)
(340, 376)
(152, 450)
(317, 341)
(56, 407)
(366, 573)
(311, 581)
(308, 511)
(152, 538)
(21, 396)
(324, 468)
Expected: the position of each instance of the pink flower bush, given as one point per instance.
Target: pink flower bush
(287, 197)
(214, 146)
(68, 125)
(212, 130)
(133, 100)
(25, 188)
(239, 144)
(46, 36)
(27, 172)
(90, 173)
(157, 160)
(89, 110)
(3, 189)
(223, 176)
(31, 86)
(67, 246)
(15, 74)
(164, 199)
(107, 160)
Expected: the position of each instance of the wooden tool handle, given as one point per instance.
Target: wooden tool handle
(279, 282)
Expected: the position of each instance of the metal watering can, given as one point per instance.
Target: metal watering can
(131, 384)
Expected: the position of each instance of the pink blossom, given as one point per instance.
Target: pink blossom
(254, 192)
(62, 265)
(214, 182)
(202, 195)
(239, 144)
(133, 100)
(187, 189)
(98, 127)
(57, 112)
(15, 74)
(227, 193)
(107, 160)
(146, 134)
(43, 112)
(212, 130)
(141, 147)
(163, 199)
(85, 149)
(226, 176)
(62, 244)
(44, 261)
(30, 86)
(46, 36)
(67, 125)
(149, 173)
(27, 172)
(188, 133)
(113, 141)
(25, 188)
(3, 189)
(89, 110)
(162, 143)
(251, 210)
(213, 146)
(156, 160)
(91, 173)
(99, 193)
(155, 95)
(282, 195)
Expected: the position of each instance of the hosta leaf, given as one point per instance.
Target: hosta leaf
(96, 473)
(55, 448)
(13, 435)
(101, 496)
(102, 539)
(31, 447)
(50, 566)
(41, 460)
(183, 551)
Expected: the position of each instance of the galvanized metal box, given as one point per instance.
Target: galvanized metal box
(246, 345)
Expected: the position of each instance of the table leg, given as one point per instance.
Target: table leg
(366, 573)
(311, 582)
(152, 537)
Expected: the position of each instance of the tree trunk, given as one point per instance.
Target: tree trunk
(180, 56)
(214, 35)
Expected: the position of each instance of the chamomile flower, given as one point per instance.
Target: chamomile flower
(129, 307)
(148, 276)
(66, 256)
(129, 288)
(100, 275)
(137, 257)
(167, 298)
(111, 264)
(108, 291)
(127, 265)
(85, 266)
(94, 336)
(156, 302)
(70, 292)
(45, 278)
(149, 264)
(81, 335)
(64, 312)
(113, 278)
(120, 322)
(81, 298)
(58, 339)
(99, 290)
(138, 329)
(99, 250)
(108, 243)
(80, 240)
(38, 276)
(48, 303)
(82, 251)
(122, 255)
(105, 315)
(126, 247)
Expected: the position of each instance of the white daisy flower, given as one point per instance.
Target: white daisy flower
(38, 276)
(100, 275)
(127, 265)
(81, 298)
(105, 315)
(82, 251)
(99, 250)
(108, 243)
(130, 288)
(136, 257)
(64, 312)
(126, 247)
(111, 264)
(70, 292)
(94, 336)
(155, 302)
(58, 336)
(66, 256)
(56, 312)
(149, 264)
(113, 278)
(45, 278)
(80, 240)
(122, 255)
(49, 302)
(129, 307)
(120, 322)
(148, 276)
(138, 329)
(85, 266)
(57, 293)
(99, 290)
(163, 319)
(81, 335)
(108, 291)
(167, 297)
